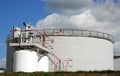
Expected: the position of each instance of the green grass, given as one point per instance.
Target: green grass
(78, 73)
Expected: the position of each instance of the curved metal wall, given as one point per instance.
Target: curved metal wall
(43, 64)
(25, 61)
(86, 53)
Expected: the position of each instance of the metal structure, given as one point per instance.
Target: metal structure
(117, 61)
(59, 50)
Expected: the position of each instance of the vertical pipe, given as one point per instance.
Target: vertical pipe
(97, 34)
(20, 43)
(90, 33)
(59, 65)
(13, 34)
(81, 32)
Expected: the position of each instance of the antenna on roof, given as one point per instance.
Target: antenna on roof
(26, 25)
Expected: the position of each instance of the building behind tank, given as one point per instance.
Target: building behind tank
(117, 61)
(29, 50)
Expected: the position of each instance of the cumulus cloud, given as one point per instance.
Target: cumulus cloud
(117, 46)
(3, 63)
(109, 11)
(97, 15)
(101, 9)
(68, 6)
(84, 20)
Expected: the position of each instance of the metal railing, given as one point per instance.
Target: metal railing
(76, 32)
(117, 54)
(71, 32)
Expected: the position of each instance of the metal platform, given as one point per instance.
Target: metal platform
(30, 44)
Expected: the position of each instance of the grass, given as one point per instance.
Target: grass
(61, 73)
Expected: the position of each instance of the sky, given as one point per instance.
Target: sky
(14, 13)
(97, 15)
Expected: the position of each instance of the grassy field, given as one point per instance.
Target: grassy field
(79, 73)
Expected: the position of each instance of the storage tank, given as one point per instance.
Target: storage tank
(81, 50)
(43, 64)
(2, 70)
(71, 50)
(25, 61)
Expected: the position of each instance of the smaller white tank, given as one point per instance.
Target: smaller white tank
(17, 31)
(25, 61)
(43, 64)
(2, 70)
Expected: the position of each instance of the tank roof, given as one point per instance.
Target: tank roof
(70, 32)
(75, 32)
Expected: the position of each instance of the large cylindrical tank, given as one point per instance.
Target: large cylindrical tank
(25, 61)
(83, 53)
(43, 64)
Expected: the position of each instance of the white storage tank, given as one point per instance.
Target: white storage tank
(25, 61)
(71, 50)
(2, 70)
(43, 64)
(83, 51)
(86, 53)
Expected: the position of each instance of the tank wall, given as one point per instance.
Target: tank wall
(43, 64)
(86, 53)
(25, 60)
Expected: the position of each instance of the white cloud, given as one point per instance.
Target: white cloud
(117, 46)
(84, 20)
(3, 63)
(101, 9)
(108, 11)
(98, 15)
(81, 21)
(68, 6)
(55, 21)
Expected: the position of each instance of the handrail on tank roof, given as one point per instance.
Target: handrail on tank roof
(71, 32)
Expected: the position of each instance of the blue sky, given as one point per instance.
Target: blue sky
(14, 13)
